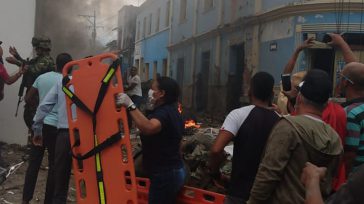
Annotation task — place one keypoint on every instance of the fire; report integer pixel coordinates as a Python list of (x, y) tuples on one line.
[(191, 124), (179, 107)]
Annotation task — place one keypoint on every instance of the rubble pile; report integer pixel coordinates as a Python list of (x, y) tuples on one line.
[(11, 189), (195, 150)]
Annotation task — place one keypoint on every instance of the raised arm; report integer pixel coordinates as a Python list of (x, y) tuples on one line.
[(338, 41), (292, 61)]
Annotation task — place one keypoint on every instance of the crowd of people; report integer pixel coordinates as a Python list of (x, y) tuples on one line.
[(305, 149), (307, 153)]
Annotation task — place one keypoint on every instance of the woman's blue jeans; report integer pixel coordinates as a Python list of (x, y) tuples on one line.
[(165, 186)]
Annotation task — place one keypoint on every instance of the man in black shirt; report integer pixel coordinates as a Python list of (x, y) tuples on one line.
[(249, 128)]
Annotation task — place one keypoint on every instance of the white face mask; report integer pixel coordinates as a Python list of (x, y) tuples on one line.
[(151, 100)]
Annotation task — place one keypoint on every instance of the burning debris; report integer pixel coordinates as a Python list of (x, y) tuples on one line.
[(190, 124)]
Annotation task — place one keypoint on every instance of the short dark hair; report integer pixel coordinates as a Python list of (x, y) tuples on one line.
[(261, 86), (171, 89), (61, 60)]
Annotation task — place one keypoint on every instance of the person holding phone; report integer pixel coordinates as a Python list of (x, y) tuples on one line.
[(333, 114)]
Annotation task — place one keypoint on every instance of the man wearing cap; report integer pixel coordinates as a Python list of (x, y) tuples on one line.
[(352, 87), (296, 140)]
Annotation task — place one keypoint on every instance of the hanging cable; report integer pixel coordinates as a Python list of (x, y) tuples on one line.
[(348, 16), (360, 30)]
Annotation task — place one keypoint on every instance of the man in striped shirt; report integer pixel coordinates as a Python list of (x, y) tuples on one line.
[(352, 86)]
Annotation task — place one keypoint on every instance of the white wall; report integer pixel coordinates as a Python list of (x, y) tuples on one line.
[(16, 29)]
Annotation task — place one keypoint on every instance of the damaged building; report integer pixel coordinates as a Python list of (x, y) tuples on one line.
[(212, 47)]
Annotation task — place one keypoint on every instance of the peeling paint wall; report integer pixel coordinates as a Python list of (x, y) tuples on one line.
[(235, 9), (182, 29), (207, 18), (272, 4)]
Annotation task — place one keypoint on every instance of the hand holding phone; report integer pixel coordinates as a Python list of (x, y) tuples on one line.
[(286, 82)]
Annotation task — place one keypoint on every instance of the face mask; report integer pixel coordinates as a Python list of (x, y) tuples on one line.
[(151, 100)]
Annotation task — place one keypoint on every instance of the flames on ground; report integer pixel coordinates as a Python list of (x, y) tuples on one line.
[(189, 122)]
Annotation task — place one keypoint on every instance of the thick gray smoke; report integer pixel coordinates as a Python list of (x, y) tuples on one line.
[(61, 22)]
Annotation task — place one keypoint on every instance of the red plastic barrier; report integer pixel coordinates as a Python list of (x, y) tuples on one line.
[(188, 195)]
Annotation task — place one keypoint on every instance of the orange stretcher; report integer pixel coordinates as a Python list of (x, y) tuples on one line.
[(102, 156), (99, 134)]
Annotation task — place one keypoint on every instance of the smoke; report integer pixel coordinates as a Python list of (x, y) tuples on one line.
[(70, 32)]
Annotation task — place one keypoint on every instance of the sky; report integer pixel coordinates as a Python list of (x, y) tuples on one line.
[(108, 18)]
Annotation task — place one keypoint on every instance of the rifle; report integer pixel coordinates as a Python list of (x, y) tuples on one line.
[(20, 95), (21, 88)]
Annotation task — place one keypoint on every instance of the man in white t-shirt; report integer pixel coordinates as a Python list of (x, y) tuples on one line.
[(248, 127), (134, 89)]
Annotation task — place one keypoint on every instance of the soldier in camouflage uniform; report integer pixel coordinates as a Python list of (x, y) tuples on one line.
[(40, 64)]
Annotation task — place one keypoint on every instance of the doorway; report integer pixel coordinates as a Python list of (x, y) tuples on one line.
[(202, 82), (323, 59), (235, 77), (180, 73)]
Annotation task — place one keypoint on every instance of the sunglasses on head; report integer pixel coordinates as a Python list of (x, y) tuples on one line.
[(347, 79)]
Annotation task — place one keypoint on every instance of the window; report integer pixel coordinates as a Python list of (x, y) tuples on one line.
[(165, 64), (183, 11), (208, 4), (168, 13), (138, 31), (155, 69), (146, 72), (150, 24), (158, 19)]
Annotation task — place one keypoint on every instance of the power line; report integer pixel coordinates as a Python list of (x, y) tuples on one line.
[(92, 20)]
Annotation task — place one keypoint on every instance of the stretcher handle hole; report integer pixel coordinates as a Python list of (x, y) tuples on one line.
[(208, 197), (128, 181), (117, 107), (74, 112), (142, 183), (124, 154), (83, 190)]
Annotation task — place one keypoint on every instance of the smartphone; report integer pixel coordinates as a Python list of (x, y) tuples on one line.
[(286, 82)]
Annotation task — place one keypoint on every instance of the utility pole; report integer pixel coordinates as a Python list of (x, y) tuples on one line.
[(92, 20)]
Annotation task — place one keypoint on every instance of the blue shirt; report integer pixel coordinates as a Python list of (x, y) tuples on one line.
[(43, 84), (55, 96)]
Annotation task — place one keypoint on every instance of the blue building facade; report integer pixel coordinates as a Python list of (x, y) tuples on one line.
[(152, 38), (207, 52), (213, 47)]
